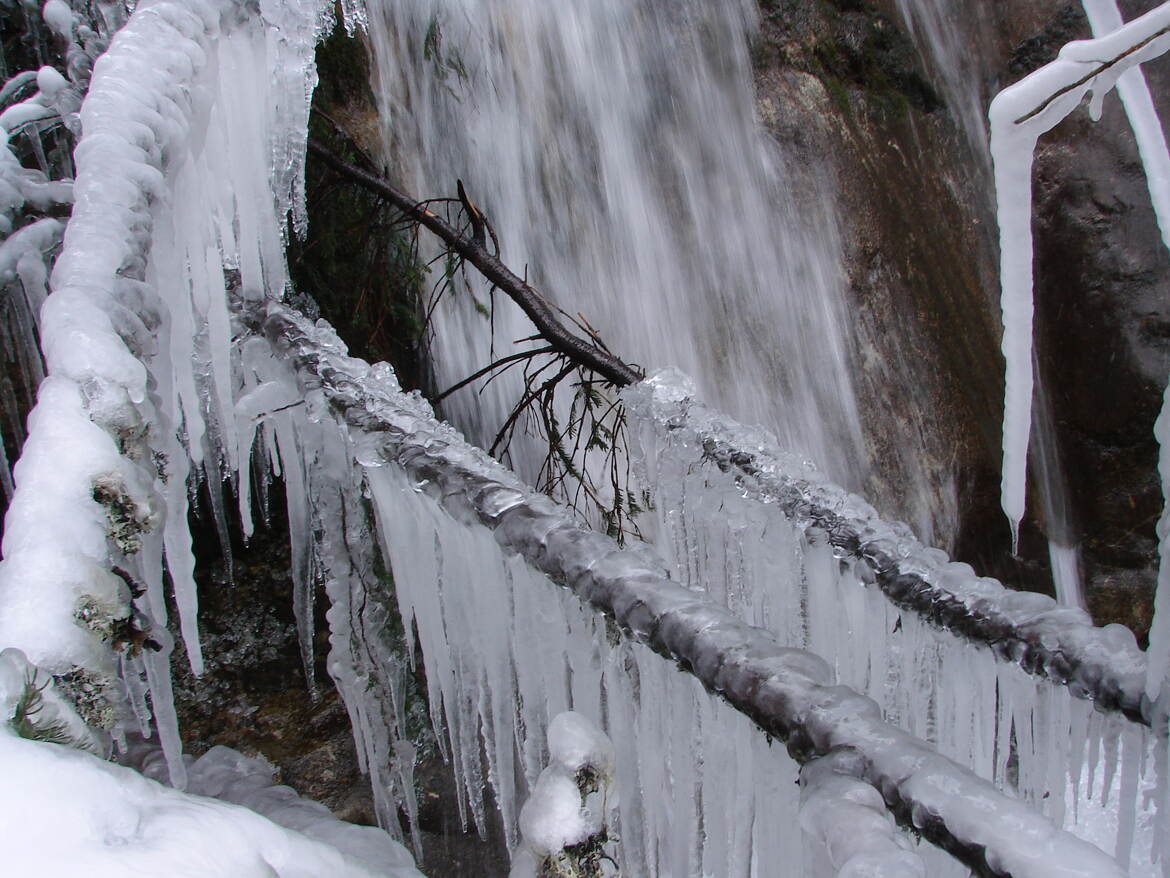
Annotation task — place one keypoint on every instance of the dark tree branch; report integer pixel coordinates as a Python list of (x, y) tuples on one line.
[(490, 367), (1097, 71), (552, 330)]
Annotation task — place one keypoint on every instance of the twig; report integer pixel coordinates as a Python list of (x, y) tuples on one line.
[(573, 347)]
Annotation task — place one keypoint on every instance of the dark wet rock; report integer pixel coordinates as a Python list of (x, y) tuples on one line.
[(916, 208)]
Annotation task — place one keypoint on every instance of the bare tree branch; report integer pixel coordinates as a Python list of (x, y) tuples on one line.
[(473, 250)]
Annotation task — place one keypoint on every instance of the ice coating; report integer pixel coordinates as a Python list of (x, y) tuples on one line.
[(178, 175), (1019, 115), (490, 623), (848, 818), (1105, 17), (947, 655), (1159, 652)]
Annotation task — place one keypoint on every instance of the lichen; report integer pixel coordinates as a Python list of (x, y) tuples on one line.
[(89, 692), (95, 616), (126, 519)]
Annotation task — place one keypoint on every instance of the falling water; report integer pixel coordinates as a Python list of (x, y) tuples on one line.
[(614, 147), (954, 44)]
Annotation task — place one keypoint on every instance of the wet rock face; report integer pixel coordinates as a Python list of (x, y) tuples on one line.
[(842, 79), (927, 367), (1103, 327)]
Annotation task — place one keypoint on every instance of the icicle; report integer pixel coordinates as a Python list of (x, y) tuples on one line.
[(1019, 115), (1159, 651)]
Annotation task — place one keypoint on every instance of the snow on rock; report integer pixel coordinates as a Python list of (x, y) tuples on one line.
[(75, 814), (575, 743), (225, 774), (571, 802)]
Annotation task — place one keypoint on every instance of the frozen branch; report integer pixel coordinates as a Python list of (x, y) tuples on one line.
[(788, 693)]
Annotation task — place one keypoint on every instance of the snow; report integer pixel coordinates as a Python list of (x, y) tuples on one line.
[(560, 813), (117, 820), (575, 743)]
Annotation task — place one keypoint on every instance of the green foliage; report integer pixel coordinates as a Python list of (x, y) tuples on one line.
[(443, 62), (28, 723)]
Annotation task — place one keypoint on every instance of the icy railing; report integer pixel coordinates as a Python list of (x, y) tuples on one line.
[(475, 556), (683, 439), (764, 534)]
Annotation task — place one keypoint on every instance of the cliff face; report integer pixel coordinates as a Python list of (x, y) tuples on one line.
[(845, 81)]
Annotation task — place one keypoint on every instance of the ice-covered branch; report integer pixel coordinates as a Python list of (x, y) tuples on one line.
[(1102, 664), (787, 692), (1020, 114), (136, 335)]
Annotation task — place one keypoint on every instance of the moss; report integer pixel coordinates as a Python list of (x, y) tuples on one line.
[(853, 49), (355, 263)]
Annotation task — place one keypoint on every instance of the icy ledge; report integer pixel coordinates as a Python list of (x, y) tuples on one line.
[(1103, 664), (786, 692)]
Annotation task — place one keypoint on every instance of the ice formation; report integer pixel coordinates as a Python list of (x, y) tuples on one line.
[(194, 127), (190, 163), (505, 649), (766, 536), (1019, 115)]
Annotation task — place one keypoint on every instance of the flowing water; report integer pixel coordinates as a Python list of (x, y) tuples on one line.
[(614, 147), (955, 45)]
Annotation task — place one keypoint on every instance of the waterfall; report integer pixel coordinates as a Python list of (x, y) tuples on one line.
[(695, 664), (954, 45), (613, 146)]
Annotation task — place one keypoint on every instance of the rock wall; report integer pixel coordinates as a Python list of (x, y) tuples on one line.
[(844, 79)]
